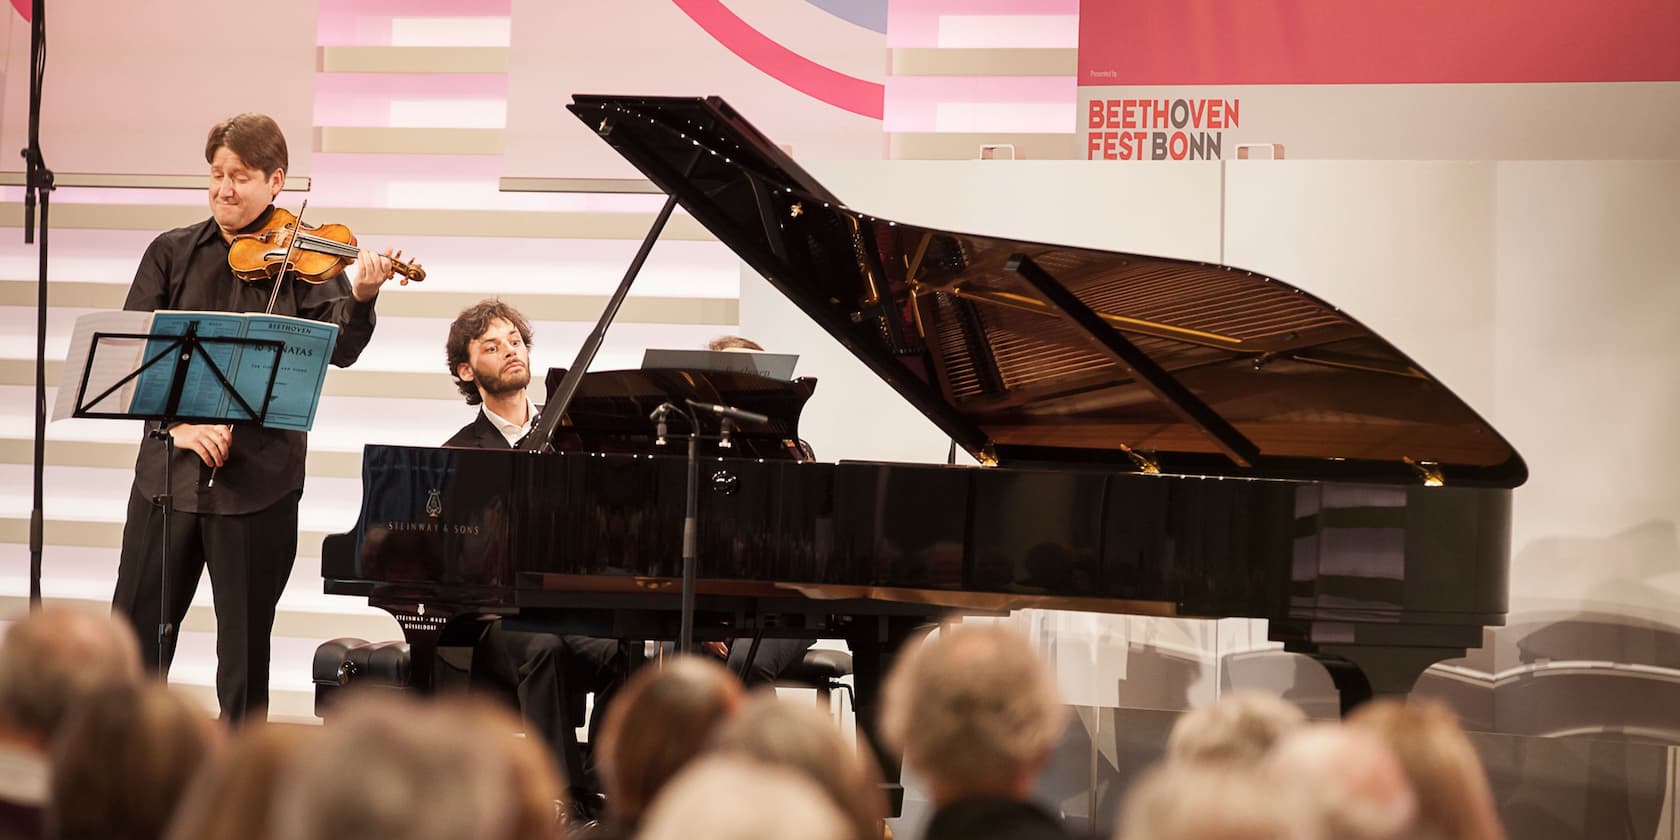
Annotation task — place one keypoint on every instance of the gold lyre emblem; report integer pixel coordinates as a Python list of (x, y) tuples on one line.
[(434, 503)]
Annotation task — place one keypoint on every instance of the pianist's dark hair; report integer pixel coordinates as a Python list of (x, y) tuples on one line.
[(470, 324)]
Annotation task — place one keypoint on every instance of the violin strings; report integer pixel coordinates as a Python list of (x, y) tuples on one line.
[(328, 245), (333, 247)]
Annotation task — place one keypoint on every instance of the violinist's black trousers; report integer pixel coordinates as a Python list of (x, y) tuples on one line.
[(249, 557)]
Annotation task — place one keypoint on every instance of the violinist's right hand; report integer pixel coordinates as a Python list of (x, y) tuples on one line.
[(210, 442)]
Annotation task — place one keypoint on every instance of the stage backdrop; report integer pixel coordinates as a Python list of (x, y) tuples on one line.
[(803, 72), (132, 91), (1417, 79)]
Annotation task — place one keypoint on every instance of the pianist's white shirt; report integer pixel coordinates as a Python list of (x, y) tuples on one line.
[(509, 429)]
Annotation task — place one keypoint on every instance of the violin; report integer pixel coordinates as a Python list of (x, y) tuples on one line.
[(320, 252)]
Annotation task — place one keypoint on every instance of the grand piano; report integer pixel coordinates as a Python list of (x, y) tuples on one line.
[(1155, 437)]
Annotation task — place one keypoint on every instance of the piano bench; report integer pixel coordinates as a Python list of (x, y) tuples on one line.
[(822, 670), (343, 662)]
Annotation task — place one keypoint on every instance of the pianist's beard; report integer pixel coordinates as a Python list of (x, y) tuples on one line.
[(503, 381)]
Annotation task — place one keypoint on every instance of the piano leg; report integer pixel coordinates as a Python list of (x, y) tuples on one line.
[(440, 644), (1364, 672), (875, 643)]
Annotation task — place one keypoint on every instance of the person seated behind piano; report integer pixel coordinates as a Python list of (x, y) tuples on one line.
[(488, 352), (775, 656)]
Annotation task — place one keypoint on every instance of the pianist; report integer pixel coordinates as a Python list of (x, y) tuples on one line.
[(488, 352)]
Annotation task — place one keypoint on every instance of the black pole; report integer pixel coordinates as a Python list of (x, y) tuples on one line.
[(38, 180), (166, 627)]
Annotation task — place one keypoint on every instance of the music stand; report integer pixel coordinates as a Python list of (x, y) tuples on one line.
[(181, 350)]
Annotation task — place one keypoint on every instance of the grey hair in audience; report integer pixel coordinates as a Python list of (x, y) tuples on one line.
[(1355, 785), (730, 798), (52, 657), (802, 738), (975, 710), (122, 760), (1207, 801), (1239, 729), (391, 768)]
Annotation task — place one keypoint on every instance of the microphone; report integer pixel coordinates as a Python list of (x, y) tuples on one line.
[(731, 412), (658, 418), (726, 426)]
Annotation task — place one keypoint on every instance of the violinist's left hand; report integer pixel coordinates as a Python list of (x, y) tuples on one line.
[(372, 270)]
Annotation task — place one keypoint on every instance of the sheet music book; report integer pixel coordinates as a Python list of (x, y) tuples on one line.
[(302, 369), (770, 365)]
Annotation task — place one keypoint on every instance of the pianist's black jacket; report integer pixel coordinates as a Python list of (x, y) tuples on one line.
[(479, 434)]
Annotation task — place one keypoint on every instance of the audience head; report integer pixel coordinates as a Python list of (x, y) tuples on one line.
[(53, 657), (732, 342), (1454, 802), (802, 738), (657, 723), (1353, 783), (1237, 730), (233, 795), (391, 768), (704, 802), (1206, 801), (975, 711), (538, 786), (485, 326), (122, 760)]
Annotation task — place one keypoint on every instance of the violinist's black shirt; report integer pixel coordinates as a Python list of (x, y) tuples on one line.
[(187, 268)]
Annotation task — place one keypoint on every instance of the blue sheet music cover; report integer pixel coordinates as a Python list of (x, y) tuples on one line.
[(302, 367)]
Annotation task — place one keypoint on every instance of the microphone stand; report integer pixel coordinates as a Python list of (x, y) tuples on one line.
[(690, 538), (691, 502), (38, 181), (691, 517)]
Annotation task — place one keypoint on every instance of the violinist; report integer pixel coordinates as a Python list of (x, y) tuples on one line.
[(243, 524)]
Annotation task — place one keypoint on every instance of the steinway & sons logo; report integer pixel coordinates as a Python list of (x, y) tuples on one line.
[(433, 523)]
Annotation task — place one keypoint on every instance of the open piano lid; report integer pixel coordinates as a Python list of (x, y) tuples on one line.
[(1030, 354)]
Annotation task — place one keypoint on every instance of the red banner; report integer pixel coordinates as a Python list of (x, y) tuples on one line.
[(1317, 42)]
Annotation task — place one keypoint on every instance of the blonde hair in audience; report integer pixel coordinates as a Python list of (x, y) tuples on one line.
[(1239, 729), (1206, 801), (1454, 800), (233, 794), (973, 709), (122, 760), (703, 802), (659, 721), (1350, 780), (805, 739)]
